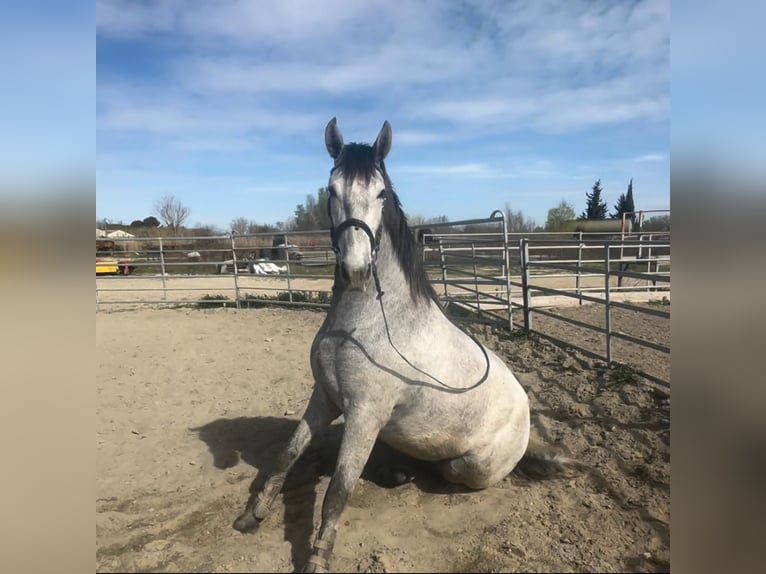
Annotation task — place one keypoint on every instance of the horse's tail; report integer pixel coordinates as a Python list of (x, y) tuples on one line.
[(541, 462)]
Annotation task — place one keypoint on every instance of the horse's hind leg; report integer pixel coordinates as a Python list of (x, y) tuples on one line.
[(320, 412), (359, 434), (470, 469), (483, 467)]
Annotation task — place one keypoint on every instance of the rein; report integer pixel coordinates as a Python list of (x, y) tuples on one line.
[(374, 246)]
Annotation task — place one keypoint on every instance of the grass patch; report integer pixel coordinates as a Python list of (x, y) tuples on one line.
[(622, 374), (214, 302), (249, 301)]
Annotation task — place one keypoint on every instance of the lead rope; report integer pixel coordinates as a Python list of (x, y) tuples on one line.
[(357, 223), (406, 360)]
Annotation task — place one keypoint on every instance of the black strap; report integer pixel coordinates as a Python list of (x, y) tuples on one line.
[(356, 224)]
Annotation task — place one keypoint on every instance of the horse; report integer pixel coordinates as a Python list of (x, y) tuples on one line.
[(391, 362)]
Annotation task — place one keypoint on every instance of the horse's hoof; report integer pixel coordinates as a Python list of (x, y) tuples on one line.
[(246, 522), (395, 475), (316, 564), (261, 510)]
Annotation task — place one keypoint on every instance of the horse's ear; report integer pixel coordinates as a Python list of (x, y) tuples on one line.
[(383, 143), (332, 139)]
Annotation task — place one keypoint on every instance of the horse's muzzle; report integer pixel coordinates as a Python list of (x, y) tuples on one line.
[(356, 278)]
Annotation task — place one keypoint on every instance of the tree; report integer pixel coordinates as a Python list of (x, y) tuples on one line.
[(596, 208), (151, 221), (625, 204), (313, 214), (557, 215), (415, 219), (136, 223), (172, 212), (517, 222), (254, 227), (657, 223), (239, 225)]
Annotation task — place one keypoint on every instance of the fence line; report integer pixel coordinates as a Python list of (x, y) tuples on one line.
[(529, 286), (481, 271)]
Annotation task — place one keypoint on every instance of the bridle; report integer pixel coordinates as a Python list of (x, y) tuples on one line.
[(335, 233)]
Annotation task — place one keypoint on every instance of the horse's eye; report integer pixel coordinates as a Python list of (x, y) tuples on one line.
[(382, 194), (332, 191)]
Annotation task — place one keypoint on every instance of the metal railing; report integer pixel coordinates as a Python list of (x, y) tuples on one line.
[(246, 269), (481, 272), (650, 251)]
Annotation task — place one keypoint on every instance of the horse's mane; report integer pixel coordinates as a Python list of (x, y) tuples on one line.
[(357, 161)]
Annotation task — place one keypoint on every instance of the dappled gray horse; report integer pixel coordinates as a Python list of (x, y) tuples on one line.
[(389, 360)]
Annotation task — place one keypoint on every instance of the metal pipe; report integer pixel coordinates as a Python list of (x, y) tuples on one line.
[(162, 271), (607, 323), (236, 272), (524, 249)]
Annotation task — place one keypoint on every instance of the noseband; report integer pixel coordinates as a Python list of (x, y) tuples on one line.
[(335, 233)]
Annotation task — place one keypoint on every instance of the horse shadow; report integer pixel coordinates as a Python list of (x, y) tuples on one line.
[(258, 441)]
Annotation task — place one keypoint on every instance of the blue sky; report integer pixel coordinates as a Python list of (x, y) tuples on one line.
[(224, 104)]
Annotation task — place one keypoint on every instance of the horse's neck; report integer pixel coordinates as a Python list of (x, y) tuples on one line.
[(393, 278), (395, 285)]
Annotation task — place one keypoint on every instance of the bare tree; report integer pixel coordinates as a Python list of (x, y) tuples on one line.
[(240, 225), (172, 212), (517, 222)]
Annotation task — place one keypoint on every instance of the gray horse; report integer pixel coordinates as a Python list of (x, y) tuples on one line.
[(389, 360)]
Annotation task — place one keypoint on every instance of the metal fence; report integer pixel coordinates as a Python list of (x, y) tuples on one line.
[(610, 263), (481, 272)]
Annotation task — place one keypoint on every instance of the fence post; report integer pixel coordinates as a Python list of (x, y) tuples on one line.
[(524, 253), (444, 269), (607, 299), (579, 265), (236, 272), (475, 279), (162, 271), (286, 252), (506, 266), (649, 261)]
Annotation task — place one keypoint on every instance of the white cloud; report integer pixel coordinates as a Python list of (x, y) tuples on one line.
[(650, 157), (241, 71), (464, 169)]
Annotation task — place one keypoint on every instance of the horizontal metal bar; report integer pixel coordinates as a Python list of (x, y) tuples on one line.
[(468, 289), (568, 320), (657, 276), (587, 352), (161, 289), (595, 271), (438, 281), (213, 302), (594, 242), (482, 278), (631, 260), (457, 223), (552, 291), (646, 310), (641, 342)]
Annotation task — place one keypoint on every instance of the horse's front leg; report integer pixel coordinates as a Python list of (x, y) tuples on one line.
[(359, 434), (320, 412)]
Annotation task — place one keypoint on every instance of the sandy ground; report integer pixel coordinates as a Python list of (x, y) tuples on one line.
[(192, 404)]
